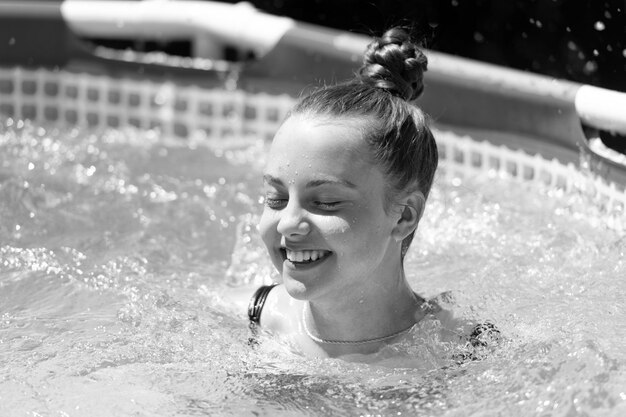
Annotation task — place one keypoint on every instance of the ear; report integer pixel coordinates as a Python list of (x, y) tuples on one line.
[(412, 208)]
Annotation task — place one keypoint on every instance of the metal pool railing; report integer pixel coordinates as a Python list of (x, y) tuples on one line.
[(182, 113)]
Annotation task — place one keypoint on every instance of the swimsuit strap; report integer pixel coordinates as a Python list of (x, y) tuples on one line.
[(257, 302)]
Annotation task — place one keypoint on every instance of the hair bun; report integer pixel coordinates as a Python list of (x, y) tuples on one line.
[(394, 63)]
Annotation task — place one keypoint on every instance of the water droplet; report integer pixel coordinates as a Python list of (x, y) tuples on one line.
[(539, 24), (12, 41), (590, 67), (599, 26), (567, 29), (607, 14), (624, 53), (479, 37), (595, 52), (455, 3), (572, 46), (31, 166)]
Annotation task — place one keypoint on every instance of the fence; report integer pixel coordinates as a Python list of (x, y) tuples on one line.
[(187, 112)]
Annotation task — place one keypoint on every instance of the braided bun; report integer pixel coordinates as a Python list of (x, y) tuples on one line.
[(395, 64)]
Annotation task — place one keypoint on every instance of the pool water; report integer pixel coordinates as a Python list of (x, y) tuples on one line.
[(117, 247)]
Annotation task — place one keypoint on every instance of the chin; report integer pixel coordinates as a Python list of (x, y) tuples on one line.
[(296, 289)]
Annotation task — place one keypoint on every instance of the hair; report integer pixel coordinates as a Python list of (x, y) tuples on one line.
[(397, 131)]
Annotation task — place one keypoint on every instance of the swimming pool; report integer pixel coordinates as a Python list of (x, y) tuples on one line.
[(119, 239)]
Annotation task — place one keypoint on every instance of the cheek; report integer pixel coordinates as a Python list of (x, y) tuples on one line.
[(270, 237), (335, 228), (267, 227), (368, 233)]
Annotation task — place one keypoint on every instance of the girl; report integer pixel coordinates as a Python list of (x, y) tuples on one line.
[(347, 179)]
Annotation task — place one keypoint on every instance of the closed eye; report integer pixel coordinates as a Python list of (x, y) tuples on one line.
[(327, 205), (276, 203)]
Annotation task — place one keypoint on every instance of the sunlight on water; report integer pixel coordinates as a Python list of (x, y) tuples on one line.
[(115, 249)]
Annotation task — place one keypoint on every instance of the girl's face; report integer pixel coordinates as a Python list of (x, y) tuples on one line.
[(324, 221)]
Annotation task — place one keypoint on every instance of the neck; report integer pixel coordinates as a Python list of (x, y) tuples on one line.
[(369, 313)]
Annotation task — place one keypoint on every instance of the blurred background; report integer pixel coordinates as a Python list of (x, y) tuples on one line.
[(579, 40)]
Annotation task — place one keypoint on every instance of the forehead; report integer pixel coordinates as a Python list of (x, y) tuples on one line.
[(302, 142)]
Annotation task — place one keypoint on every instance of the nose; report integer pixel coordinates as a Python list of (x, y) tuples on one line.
[(293, 221)]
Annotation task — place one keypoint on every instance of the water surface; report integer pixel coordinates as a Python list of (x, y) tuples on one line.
[(116, 248)]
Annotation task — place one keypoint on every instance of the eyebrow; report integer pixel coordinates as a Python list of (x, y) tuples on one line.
[(313, 183)]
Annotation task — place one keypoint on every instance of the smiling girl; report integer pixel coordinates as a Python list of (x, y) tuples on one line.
[(346, 183)]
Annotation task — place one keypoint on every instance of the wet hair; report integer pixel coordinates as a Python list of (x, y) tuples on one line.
[(396, 131)]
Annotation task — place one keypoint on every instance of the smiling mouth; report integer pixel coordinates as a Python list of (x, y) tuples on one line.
[(301, 257)]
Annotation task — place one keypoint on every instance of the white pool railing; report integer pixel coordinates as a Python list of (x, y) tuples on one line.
[(208, 23), (211, 23), (183, 114), (459, 91), (103, 101), (552, 109)]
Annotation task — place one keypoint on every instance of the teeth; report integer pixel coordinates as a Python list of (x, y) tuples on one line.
[(305, 255)]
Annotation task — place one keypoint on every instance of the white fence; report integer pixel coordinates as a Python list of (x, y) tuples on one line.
[(184, 112), (103, 101)]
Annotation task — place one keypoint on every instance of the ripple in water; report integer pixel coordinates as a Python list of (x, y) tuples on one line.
[(116, 248)]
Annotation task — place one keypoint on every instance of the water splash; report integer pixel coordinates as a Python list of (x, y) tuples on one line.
[(112, 293)]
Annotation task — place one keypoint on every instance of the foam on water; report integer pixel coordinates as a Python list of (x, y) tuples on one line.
[(116, 248)]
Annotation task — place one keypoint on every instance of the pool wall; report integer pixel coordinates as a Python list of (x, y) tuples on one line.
[(522, 111), (539, 114)]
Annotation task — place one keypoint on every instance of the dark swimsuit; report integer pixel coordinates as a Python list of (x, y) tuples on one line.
[(257, 302)]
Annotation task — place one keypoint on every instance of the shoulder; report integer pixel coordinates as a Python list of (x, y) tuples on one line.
[(279, 311)]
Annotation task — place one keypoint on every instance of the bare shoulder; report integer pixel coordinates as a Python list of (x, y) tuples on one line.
[(280, 313)]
